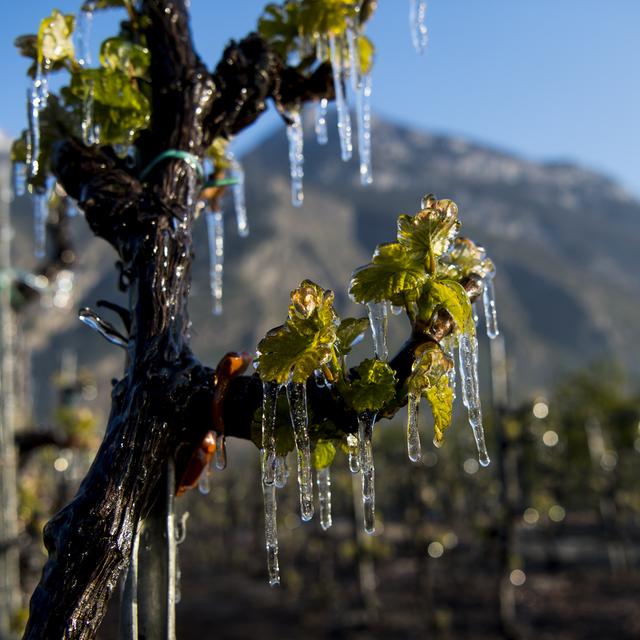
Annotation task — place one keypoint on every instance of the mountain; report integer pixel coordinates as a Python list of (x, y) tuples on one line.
[(564, 240)]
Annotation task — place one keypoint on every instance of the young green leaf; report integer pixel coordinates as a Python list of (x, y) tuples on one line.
[(349, 332), (431, 230), (374, 385), (323, 454), (450, 296), (55, 38), (393, 274), (118, 54), (440, 397), (305, 342), (465, 258)]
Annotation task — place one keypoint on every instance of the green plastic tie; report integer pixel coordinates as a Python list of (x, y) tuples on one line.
[(221, 182), (192, 160)]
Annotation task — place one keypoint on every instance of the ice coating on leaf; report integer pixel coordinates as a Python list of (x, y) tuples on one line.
[(271, 532), (295, 137), (204, 481), (268, 450), (323, 480), (468, 356), (353, 448), (322, 135), (417, 24), (281, 472), (413, 435), (40, 214), (239, 201), (215, 235), (38, 97), (366, 422), (342, 108), (297, 396), (489, 304), (379, 320), (465, 258), (19, 179), (295, 350), (84, 24), (220, 455)]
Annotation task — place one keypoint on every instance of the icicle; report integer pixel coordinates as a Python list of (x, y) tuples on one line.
[(322, 135), (396, 310), (449, 344), (221, 452), (417, 21), (363, 109), (38, 101), (353, 447), (344, 118), (40, 214), (19, 179), (474, 310), (268, 450), (90, 131), (297, 396), (489, 303), (295, 137), (362, 89), (204, 482), (239, 201), (83, 35), (323, 481), (106, 330), (413, 435), (215, 233), (378, 319), (281, 472), (365, 435), (468, 356), (271, 532)]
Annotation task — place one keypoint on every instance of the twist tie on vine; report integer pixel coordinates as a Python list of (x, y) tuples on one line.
[(192, 160), (221, 182)]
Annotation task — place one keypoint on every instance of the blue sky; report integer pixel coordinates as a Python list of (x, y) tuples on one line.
[(547, 79)]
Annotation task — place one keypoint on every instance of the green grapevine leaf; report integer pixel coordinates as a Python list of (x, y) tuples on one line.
[(392, 274), (323, 454), (55, 38), (430, 364), (465, 258), (118, 54), (430, 231), (440, 398), (349, 332), (448, 295), (373, 386), (305, 342)]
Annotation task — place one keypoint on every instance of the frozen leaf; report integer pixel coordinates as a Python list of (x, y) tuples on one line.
[(349, 332), (440, 398), (392, 274), (374, 385), (305, 342), (54, 38), (118, 54), (430, 364), (465, 258), (323, 454), (430, 231), (450, 296)]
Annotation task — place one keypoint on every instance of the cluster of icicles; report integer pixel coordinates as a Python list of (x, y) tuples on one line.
[(345, 66), (274, 467)]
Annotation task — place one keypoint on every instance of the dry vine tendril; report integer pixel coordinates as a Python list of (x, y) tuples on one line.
[(424, 274)]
